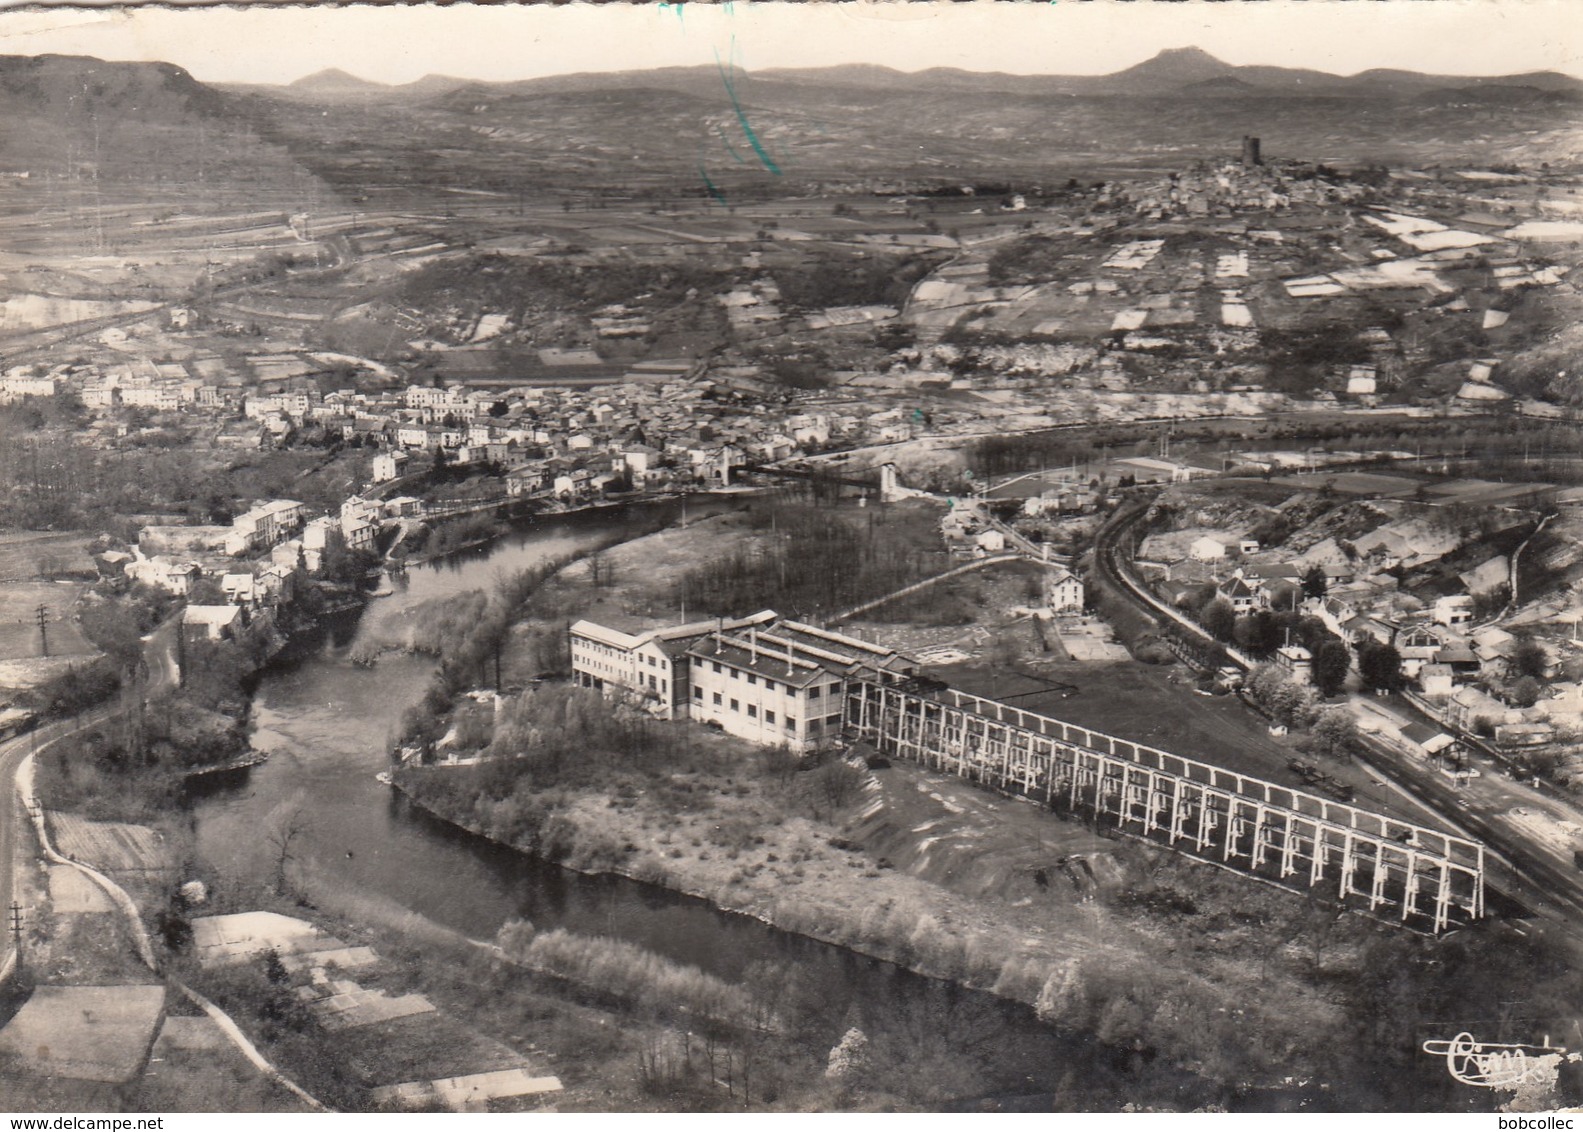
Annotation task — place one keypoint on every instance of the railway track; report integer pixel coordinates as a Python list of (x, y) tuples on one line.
[(1528, 879)]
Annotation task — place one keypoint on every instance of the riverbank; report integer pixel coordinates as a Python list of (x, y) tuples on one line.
[(987, 893), (481, 526), (1150, 964), (1133, 946)]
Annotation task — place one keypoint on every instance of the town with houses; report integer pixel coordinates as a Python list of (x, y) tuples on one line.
[(982, 625)]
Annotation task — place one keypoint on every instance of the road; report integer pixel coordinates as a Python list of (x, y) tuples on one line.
[(12, 752)]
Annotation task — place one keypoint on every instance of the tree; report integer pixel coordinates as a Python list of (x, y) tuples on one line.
[(837, 783), (1287, 702), (849, 1060), (1331, 663), (1530, 659), (1524, 692), (1259, 632), (1314, 583), (286, 828), (1380, 665), (1219, 620), (1335, 735)]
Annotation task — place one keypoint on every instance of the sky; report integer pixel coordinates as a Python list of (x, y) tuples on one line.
[(269, 44)]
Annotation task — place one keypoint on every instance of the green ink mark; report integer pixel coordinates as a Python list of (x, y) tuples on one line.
[(731, 149), (742, 118), (710, 185)]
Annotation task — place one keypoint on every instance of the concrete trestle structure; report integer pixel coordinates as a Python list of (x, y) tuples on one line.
[(1427, 878)]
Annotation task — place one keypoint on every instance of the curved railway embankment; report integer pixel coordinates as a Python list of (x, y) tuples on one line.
[(1526, 878)]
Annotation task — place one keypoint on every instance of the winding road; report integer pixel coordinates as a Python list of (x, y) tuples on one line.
[(12, 817)]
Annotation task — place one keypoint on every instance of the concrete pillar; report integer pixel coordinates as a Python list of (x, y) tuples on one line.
[(1288, 846), (1261, 816), (1349, 864), (1377, 886), (1443, 898)]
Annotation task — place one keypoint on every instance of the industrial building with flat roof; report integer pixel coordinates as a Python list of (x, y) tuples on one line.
[(762, 678)]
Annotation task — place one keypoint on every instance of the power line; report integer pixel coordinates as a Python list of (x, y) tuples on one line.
[(41, 614)]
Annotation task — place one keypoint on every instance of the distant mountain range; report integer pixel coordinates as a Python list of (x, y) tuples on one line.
[(154, 121), (334, 84), (1176, 70)]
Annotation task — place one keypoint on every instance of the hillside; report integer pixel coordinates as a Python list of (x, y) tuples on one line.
[(78, 119)]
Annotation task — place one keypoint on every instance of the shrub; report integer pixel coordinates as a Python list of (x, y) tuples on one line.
[(628, 972)]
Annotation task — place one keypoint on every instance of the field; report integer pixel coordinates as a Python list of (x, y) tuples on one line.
[(40, 555), (1356, 483), (19, 636)]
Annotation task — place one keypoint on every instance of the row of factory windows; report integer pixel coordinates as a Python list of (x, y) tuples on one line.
[(753, 712), (752, 678)]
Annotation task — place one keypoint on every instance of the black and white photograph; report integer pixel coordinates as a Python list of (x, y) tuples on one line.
[(822, 558)]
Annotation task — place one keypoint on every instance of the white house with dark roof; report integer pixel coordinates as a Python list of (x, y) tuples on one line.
[(1417, 645), (1236, 591), (1064, 592)]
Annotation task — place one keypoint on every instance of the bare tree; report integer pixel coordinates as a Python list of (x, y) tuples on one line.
[(286, 828)]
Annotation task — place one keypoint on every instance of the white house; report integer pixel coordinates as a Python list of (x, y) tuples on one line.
[(1208, 548), (239, 588), (1436, 680), (1453, 609), (1296, 660), (650, 667), (211, 622), (388, 466), (1065, 592)]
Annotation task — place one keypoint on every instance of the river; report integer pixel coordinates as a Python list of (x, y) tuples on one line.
[(365, 853)]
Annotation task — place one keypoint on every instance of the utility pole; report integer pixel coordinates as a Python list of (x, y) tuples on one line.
[(16, 930), (41, 614)]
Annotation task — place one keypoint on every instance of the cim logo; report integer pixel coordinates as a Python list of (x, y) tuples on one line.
[(1494, 1065)]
